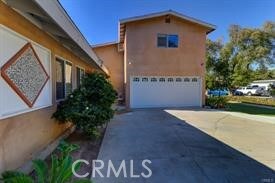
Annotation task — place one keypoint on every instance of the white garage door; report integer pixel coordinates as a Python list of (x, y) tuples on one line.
[(146, 92)]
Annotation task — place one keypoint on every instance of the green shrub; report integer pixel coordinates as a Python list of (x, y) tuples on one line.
[(88, 107), (272, 92), (216, 102), (253, 100), (59, 171)]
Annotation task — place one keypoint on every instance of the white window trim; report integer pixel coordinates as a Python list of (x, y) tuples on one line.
[(5, 116), (65, 61)]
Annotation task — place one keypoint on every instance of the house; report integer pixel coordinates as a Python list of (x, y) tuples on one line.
[(158, 60), (42, 59)]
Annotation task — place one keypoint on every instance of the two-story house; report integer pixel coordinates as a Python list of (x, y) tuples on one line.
[(159, 60)]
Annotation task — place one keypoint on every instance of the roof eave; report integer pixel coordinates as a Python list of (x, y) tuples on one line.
[(51, 17), (211, 27)]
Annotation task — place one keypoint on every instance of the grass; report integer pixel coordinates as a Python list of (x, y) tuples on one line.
[(238, 107), (253, 100)]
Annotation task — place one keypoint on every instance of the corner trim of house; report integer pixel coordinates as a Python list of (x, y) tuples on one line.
[(44, 153)]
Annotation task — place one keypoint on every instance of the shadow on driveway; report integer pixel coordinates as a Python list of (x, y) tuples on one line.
[(178, 151)]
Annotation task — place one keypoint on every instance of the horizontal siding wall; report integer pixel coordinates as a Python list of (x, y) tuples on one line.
[(24, 135)]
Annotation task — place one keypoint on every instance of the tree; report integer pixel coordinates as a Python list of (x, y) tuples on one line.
[(247, 56), (217, 65), (89, 106)]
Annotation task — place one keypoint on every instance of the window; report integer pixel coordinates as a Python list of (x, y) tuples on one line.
[(80, 73), (167, 41), (186, 79), (194, 79), (144, 79), (161, 79), (63, 79), (173, 41), (153, 79), (60, 79), (170, 80), (162, 40), (68, 78), (178, 80), (136, 79)]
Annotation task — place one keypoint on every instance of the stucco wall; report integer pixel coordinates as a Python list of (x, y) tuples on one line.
[(113, 60), (24, 135), (143, 57)]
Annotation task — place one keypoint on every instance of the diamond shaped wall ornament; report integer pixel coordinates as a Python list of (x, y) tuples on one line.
[(25, 74)]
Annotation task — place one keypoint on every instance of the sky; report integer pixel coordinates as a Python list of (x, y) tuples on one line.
[(98, 19)]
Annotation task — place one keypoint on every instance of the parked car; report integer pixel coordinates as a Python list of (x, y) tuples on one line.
[(250, 90), (235, 92), (264, 92), (218, 92)]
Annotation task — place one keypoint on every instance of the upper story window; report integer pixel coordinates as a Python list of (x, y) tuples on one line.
[(167, 41)]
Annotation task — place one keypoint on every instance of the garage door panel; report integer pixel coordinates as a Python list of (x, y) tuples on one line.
[(145, 93)]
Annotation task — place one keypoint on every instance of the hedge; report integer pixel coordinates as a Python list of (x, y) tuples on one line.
[(216, 102), (253, 100)]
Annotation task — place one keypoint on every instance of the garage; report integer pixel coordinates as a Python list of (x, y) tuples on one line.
[(165, 91)]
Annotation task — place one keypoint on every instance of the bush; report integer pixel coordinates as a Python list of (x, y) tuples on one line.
[(88, 107), (59, 171), (272, 92), (253, 100), (216, 102)]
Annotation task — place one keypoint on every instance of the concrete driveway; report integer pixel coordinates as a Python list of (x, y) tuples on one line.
[(188, 146)]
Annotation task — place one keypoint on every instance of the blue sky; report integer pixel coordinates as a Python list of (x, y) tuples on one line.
[(98, 19)]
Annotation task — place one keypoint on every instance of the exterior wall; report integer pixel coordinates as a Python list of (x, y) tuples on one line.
[(143, 57), (24, 135), (113, 60)]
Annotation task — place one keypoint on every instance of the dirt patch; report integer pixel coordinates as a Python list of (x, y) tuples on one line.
[(89, 149)]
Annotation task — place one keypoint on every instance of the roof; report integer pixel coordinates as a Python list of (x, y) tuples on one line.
[(51, 17), (122, 22), (104, 44)]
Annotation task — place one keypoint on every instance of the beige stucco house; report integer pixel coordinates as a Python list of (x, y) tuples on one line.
[(48, 54), (159, 60)]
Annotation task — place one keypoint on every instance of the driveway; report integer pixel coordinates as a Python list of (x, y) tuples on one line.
[(188, 146)]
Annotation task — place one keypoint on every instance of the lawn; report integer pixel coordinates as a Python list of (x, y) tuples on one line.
[(238, 107)]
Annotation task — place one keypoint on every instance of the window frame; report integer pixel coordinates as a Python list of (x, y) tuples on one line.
[(145, 79), (170, 35), (158, 35), (84, 73), (136, 79), (162, 79), (65, 61), (69, 63), (167, 40)]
